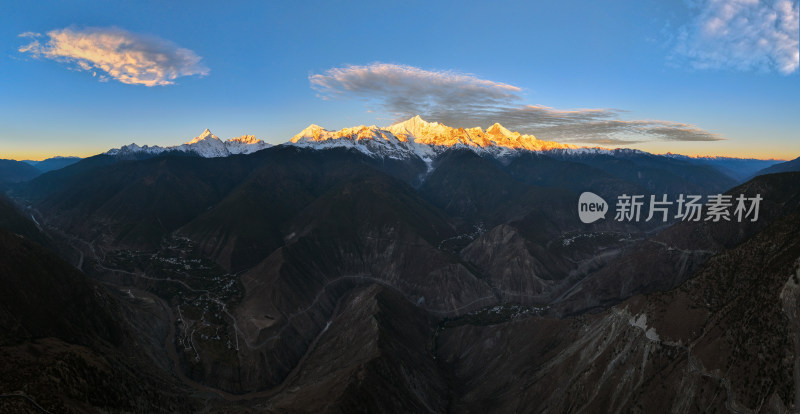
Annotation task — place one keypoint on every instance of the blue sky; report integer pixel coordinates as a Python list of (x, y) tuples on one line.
[(702, 77)]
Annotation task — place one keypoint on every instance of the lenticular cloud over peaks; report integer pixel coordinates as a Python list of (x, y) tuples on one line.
[(116, 54)]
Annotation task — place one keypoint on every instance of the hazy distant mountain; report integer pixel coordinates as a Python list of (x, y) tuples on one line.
[(740, 169), (12, 171), (54, 163), (793, 165), (206, 145)]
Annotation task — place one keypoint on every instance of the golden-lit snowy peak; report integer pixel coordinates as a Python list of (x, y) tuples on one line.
[(422, 138), (246, 140), (202, 137), (316, 133), (418, 130)]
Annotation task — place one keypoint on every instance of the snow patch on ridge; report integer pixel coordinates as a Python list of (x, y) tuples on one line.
[(641, 323), (206, 145)]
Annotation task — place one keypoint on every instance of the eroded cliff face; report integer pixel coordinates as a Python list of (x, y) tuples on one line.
[(725, 340)]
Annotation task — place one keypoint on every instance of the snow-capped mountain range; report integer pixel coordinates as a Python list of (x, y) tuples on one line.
[(206, 145), (416, 137)]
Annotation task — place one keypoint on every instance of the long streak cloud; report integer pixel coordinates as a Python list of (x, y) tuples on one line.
[(459, 99)]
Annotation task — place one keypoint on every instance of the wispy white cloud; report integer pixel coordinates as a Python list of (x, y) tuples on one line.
[(124, 56), (459, 99), (399, 83), (741, 34)]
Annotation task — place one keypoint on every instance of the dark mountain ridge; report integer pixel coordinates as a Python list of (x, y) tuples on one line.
[(54, 163)]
